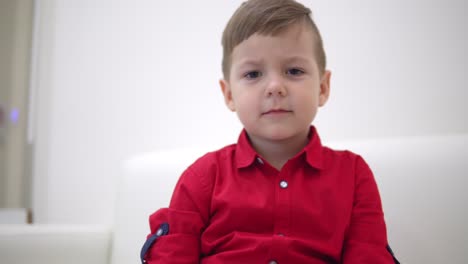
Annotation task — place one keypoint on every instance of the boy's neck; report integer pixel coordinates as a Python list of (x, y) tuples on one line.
[(278, 152)]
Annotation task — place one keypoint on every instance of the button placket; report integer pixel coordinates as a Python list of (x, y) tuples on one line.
[(282, 213)]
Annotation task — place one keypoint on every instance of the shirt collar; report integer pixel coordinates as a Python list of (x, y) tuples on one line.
[(246, 155), (314, 149)]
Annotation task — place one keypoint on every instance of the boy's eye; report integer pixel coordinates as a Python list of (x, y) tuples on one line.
[(253, 74), (294, 71)]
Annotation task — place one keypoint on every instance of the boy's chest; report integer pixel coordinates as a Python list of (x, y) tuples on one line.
[(301, 202)]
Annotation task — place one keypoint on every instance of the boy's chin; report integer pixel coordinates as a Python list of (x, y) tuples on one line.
[(280, 134)]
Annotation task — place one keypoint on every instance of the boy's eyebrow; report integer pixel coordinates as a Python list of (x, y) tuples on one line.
[(299, 59), (250, 61), (256, 62)]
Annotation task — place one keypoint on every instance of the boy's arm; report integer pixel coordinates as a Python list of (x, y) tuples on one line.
[(366, 237), (186, 218)]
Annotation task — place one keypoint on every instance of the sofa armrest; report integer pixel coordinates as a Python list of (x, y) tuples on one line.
[(54, 244)]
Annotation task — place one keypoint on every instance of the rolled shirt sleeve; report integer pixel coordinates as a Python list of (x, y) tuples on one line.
[(187, 217)]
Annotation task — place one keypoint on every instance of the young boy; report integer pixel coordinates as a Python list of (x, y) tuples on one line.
[(278, 195)]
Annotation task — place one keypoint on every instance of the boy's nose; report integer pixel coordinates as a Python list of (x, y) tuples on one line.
[(275, 86)]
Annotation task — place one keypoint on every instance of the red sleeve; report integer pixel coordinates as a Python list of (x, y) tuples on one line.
[(366, 237), (187, 217)]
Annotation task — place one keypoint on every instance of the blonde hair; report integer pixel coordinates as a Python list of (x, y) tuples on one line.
[(267, 17)]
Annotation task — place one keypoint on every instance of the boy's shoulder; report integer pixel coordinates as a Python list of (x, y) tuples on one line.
[(214, 158), (338, 152), (335, 156)]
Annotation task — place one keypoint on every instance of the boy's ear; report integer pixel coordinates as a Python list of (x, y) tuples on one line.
[(227, 93), (324, 88)]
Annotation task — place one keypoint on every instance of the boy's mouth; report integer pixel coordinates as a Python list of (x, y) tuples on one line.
[(276, 111)]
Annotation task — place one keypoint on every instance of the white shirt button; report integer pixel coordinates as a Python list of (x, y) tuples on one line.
[(159, 232), (284, 184), (272, 262)]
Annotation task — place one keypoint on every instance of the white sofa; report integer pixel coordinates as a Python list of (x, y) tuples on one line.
[(422, 181)]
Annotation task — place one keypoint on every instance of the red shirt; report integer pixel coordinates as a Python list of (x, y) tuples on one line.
[(231, 206)]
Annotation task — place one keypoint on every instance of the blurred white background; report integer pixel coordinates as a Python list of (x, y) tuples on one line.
[(113, 78)]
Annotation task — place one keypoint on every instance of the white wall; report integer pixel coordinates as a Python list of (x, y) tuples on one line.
[(115, 78)]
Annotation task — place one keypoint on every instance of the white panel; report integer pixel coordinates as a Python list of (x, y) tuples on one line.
[(125, 77)]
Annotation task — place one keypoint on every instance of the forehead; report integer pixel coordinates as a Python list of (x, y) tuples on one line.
[(295, 41)]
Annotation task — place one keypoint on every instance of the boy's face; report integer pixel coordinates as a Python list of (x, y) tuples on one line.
[(275, 85)]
